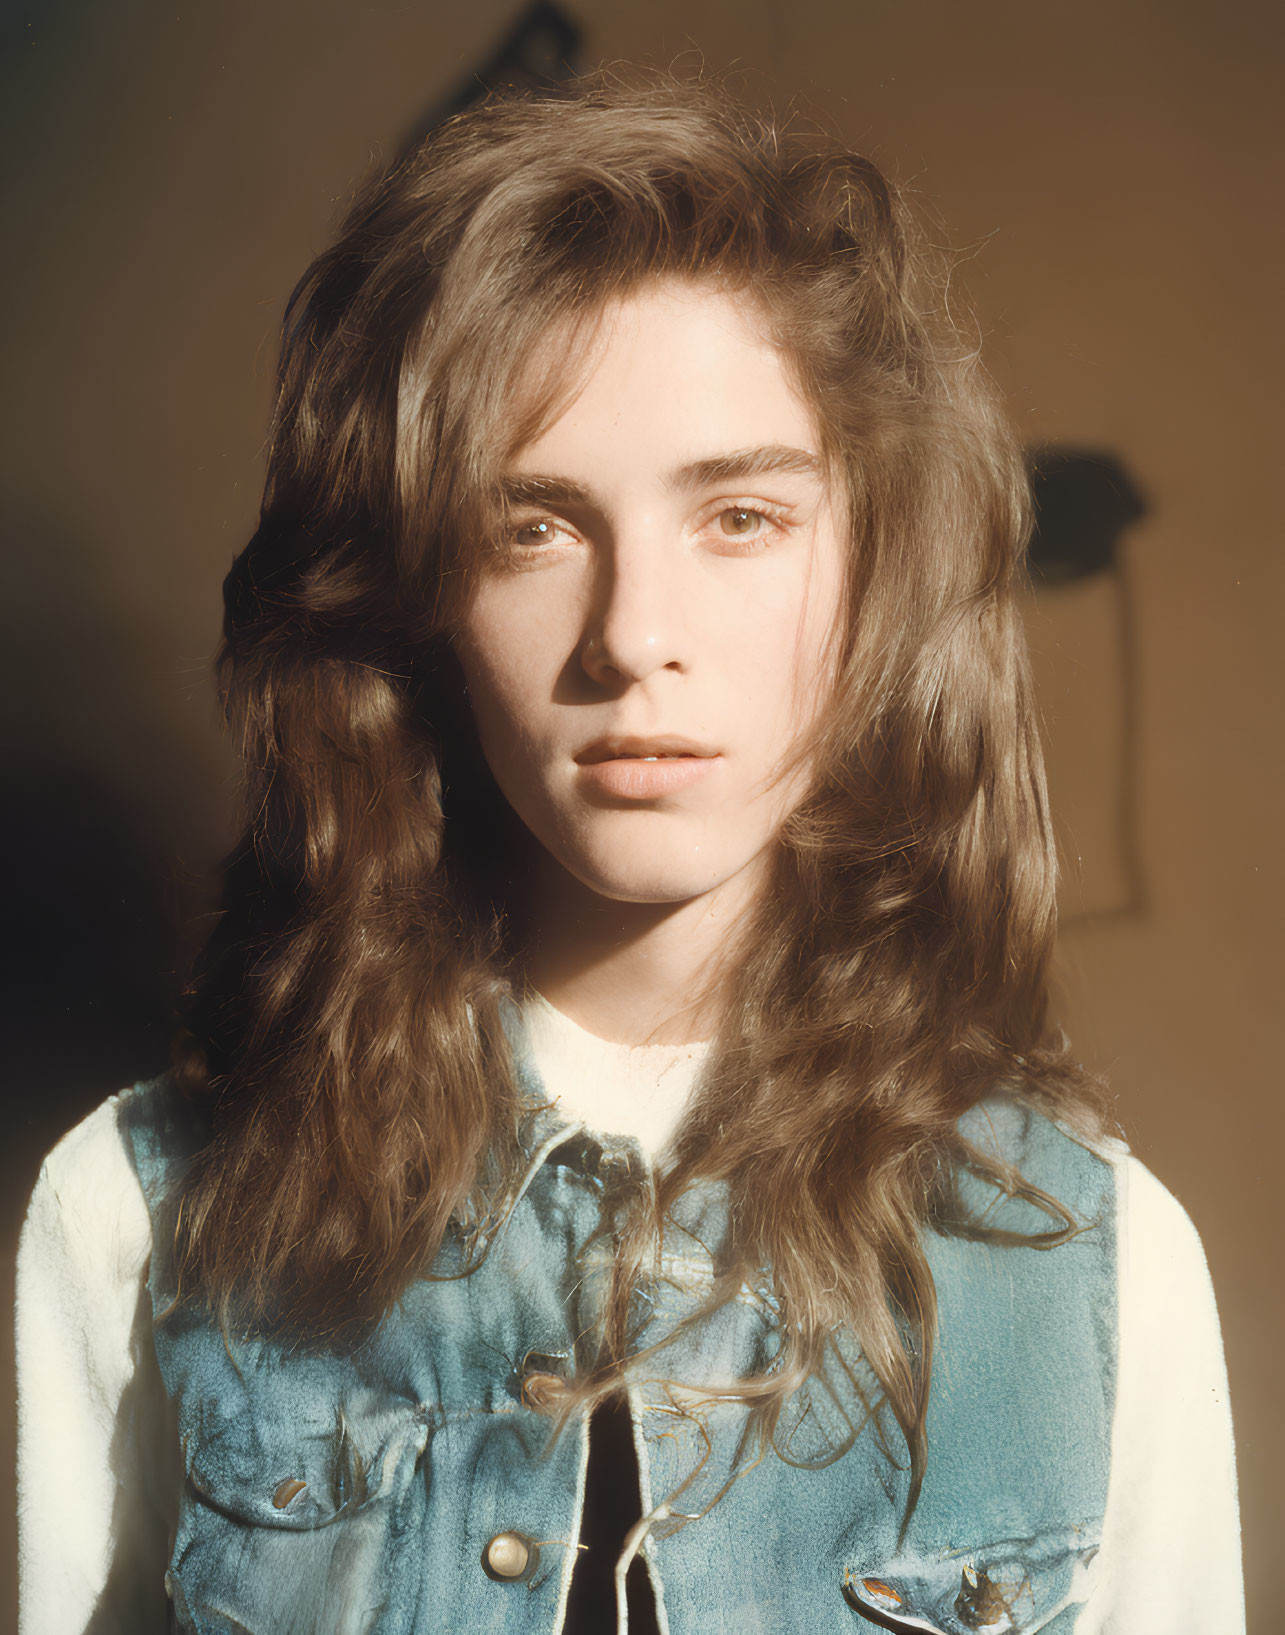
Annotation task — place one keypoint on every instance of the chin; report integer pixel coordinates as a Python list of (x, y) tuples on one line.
[(638, 879)]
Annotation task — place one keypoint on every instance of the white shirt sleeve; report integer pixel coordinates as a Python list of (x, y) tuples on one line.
[(1170, 1556), (97, 1451)]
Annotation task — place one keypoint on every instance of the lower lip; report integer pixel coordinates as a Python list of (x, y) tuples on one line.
[(636, 779)]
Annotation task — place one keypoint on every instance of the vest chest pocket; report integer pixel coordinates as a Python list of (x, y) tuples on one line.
[(284, 1528), (1013, 1587), (295, 1478)]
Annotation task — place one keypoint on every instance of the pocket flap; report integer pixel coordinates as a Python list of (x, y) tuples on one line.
[(1013, 1587), (309, 1478)]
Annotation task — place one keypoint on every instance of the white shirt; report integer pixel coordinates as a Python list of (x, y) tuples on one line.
[(97, 1454)]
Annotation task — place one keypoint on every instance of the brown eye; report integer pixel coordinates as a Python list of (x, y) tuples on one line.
[(532, 533), (741, 523)]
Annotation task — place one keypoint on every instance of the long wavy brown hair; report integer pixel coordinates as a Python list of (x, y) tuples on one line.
[(344, 1038)]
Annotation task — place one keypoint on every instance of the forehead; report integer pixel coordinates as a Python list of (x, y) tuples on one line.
[(672, 375)]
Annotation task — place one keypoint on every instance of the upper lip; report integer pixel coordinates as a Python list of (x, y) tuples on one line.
[(636, 749)]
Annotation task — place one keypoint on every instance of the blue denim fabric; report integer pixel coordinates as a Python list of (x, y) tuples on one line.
[(358, 1492)]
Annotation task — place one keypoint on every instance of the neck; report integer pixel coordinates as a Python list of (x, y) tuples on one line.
[(636, 973)]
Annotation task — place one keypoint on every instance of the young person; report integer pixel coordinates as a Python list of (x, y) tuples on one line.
[(618, 1163)]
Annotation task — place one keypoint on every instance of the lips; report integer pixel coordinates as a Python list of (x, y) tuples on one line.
[(642, 749), (643, 769)]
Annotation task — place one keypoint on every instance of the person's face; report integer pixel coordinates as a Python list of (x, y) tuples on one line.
[(659, 638)]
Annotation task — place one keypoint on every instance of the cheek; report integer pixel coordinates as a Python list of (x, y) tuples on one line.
[(788, 657), (516, 636), (816, 662), (791, 681), (499, 666), (511, 681), (822, 622), (494, 685)]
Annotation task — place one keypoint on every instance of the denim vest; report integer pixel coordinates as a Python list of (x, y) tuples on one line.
[(415, 1484)]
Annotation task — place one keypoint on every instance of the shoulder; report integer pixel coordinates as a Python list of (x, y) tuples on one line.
[(1172, 1498), (1126, 1219), (1165, 1286), (88, 1202), (1157, 1229), (1037, 1154), (1156, 1237), (95, 1447)]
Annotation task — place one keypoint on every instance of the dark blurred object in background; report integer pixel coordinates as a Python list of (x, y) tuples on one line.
[(543, 48), (1084, 500), (88, 971)]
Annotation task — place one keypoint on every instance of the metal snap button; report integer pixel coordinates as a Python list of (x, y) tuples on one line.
[(540, 1381), (883, 1595), (543, 1391), (289, 1489), (509, 1557), (882, 1603)]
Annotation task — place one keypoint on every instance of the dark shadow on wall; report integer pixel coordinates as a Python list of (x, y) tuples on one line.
[(103, 833), (105, 808), (543, 48), (1086, 501), (89, 968)]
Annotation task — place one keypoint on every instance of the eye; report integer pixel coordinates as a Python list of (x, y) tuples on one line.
[(740, 522), (534, 535)]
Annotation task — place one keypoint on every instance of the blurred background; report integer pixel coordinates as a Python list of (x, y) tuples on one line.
[(1110, 171)]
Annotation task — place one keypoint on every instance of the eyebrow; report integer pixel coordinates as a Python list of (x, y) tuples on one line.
[(719, 468), (746, 462)]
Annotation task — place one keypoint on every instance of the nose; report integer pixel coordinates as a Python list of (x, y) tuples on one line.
[(640, 620)]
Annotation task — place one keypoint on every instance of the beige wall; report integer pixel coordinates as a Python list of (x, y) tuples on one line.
[(1113, 170)]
